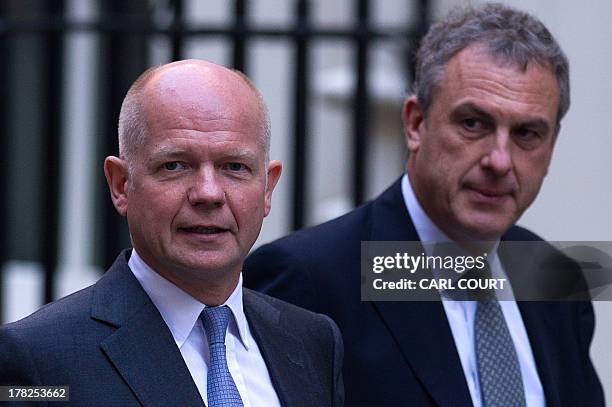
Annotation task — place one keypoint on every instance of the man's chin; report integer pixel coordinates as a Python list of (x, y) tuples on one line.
[(485, 225), (209, 266), (485, 234), (485, 229)]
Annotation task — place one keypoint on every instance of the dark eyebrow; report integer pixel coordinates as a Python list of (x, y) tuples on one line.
[(166, 153), (469, 108), (172, 153), (240, 155), (539, 124)]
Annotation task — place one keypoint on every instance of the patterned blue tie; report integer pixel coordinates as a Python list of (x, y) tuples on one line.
[(499, 371), (222, 391)]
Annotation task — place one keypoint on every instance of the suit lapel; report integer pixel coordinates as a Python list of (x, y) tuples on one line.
[(540, 324), (282, 352), (420, 329), (423, 335), (523, 267), (142, 348)]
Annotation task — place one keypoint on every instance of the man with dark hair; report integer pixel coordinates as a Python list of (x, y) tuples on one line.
[(169, 323), (491, 88)]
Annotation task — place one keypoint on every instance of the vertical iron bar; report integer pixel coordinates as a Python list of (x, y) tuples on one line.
[(423, 10), (240, 21), (4, 167), (300, 114), (177, 33), (125, 56), (111, 224), (53, 57), (422, 24), (361, 102)]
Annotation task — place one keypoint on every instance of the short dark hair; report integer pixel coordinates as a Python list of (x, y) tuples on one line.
[(511, 35)]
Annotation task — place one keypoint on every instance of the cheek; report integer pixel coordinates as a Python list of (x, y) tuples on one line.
[(247, 205), (530, 172), (157, 207), (444, 152), (530, 185), (447, 170)]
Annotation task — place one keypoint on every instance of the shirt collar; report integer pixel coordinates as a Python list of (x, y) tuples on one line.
[(425, 228), (180, 310)]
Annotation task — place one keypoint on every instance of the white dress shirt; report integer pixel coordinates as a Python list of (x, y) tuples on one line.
[(461, 314), (181, 312)]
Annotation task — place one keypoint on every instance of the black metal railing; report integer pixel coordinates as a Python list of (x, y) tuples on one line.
[(50, 207), (124, 28)]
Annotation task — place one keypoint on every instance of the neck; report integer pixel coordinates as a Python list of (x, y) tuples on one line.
[(211, 292)]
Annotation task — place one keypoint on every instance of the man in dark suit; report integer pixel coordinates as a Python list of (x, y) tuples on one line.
[(492, 86), (169, 323)]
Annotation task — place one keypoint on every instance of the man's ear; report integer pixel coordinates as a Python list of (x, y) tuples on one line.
[(413, 118), (116, 172), (274, 171)]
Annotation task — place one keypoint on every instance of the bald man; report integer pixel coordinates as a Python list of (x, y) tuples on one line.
[(169, 323)]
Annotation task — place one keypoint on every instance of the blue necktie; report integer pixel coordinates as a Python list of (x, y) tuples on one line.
[(222, 391), (499, 371)]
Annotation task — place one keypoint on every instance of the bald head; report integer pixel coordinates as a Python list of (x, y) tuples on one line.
[(185, 91)]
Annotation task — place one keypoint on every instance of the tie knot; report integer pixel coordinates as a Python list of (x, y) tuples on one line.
[(482, 275), (215, 320)]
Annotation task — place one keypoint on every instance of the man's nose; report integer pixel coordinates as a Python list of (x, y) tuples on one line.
[(498, 157), (206, 189)]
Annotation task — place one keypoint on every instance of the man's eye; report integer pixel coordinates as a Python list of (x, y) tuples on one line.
[(235, 167), (172, 166), (473, 124), (525, 134), (527, 138)]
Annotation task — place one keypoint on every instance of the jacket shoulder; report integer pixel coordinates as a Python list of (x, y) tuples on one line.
[(293, 266), (518, 233), (51, 332), (324, 240), (55, 316), (298, 317)]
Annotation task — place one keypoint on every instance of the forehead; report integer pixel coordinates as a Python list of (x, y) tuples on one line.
[(203, 105), (473, 75)]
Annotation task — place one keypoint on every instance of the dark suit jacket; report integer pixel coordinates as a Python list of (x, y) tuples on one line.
[(109, 343), (403, 353)]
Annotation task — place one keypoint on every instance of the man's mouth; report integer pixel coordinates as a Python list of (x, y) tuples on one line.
[(489, 195), (204, 230)]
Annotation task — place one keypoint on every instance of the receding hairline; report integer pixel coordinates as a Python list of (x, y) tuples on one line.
[(131, 114), (147, 76)]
